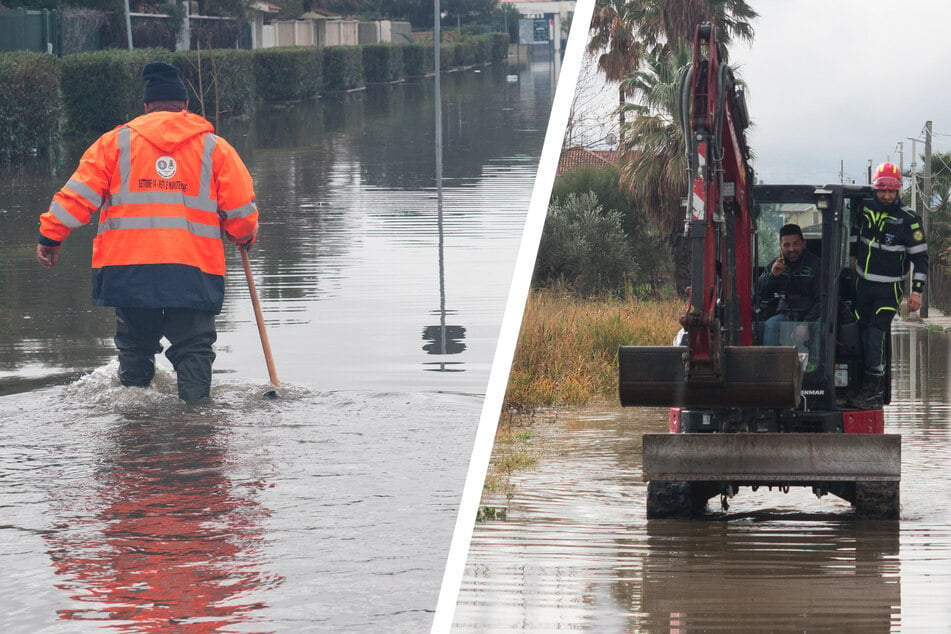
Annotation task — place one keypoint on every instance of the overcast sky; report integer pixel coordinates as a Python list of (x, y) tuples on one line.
[(844, 80), (837, 81)]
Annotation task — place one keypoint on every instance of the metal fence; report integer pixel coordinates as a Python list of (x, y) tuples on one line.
[(25, 30), (80, 30), (939, 286)]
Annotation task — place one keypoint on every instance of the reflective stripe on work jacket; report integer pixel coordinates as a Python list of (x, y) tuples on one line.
[(166, 190), (885, 243), (149, 225)]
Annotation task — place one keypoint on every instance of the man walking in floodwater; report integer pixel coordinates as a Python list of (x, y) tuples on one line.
[(167, 190)]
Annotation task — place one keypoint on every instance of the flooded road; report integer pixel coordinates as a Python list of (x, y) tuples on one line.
[(576, 551), (332, 507)]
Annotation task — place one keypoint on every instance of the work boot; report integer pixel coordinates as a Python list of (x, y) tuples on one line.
[(136, 370), (871, 396)]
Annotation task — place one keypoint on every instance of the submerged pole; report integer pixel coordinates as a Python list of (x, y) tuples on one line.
[(437, 37)]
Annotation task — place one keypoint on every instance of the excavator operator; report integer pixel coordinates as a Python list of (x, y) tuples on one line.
[(792, 279), (886, 237)]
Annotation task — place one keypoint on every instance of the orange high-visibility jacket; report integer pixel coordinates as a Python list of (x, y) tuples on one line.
[(167, 189)]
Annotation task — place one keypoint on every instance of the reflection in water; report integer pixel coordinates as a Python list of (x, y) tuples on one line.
[(577, 551), (170, 542), (776, 575), (443, 339)]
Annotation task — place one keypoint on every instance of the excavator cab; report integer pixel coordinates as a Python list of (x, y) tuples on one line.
[(829, 348), (802, 384)]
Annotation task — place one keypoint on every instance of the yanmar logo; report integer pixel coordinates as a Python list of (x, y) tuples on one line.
[(813, 392)]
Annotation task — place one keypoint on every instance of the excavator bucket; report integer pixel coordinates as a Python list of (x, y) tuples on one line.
[(763, 458), (753, 376)]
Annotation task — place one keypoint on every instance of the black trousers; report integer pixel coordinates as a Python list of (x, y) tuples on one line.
[(191, 334), (876, 304)]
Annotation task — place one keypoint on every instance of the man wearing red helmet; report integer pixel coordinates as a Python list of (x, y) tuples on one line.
[(886, 238)]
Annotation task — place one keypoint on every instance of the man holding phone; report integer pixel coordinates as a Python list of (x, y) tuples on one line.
[(793, 280)]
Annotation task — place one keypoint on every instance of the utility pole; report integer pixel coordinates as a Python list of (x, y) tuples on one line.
[(901, 158), (926, 202), (437, 41), (914, 174), (128, 25)]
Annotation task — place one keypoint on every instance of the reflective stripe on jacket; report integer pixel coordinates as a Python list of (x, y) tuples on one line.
[(166, 188), (884, 240)]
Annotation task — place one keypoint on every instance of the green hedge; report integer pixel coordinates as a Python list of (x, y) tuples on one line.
[(382, 63), (343, 67), (30, 108), (465, 54), (91, 93), (220, 81), (288, 73), (418, 59), (103, 89), (500, 46)]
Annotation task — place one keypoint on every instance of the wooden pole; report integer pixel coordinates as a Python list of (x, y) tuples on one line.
[(259, 318)]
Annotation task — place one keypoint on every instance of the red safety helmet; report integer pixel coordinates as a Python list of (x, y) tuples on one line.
[(887, 177)]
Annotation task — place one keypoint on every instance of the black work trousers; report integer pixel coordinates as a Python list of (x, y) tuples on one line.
[(191, 334), (876, 304)]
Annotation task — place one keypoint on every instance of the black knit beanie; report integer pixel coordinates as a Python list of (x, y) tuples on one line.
[(162, 83)]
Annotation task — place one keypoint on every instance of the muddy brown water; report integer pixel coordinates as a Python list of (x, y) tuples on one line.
[(576, 552)]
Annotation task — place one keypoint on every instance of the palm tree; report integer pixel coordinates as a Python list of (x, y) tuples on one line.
[(612, 39), (675, 21), (652, 158), (653, 162), (621, 30)]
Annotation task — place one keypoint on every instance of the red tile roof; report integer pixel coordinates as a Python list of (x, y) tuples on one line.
[(576, 157)]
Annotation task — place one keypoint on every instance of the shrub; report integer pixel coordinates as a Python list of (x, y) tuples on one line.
[(603, 183), (285, 74), (482, 47), (464, 53), (343, 67), (156, 32), (28, 123), (103, 89), (220, 81), (584, 247), (382, 63), (649, 249), (500, 46), (417, 59), (99, 90), (447, 55)]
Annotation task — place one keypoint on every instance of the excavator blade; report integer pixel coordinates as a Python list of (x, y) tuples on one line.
[(754, 376), (765, 458)]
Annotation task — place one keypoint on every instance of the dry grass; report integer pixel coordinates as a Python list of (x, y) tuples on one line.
[(513, 451), (567, 355), (567, 347)]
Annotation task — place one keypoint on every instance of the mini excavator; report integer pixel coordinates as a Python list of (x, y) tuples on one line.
[(744, 414)]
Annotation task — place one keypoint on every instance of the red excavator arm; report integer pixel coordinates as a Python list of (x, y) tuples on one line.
[(720, 367), (719, 227)]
